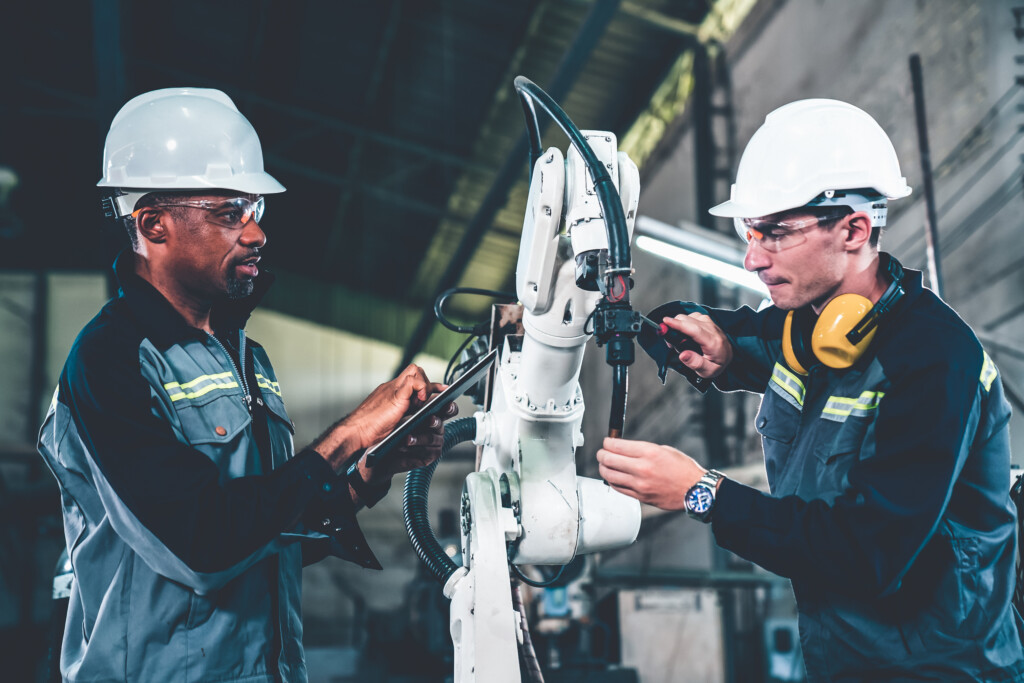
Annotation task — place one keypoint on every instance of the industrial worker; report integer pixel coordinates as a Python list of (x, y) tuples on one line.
[(187, 515), (883, 422)]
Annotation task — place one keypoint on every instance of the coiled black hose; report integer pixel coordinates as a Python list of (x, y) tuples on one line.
[(417, 519)]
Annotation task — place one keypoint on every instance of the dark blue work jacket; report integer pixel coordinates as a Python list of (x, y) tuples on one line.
[(186, 513), (889, 506)]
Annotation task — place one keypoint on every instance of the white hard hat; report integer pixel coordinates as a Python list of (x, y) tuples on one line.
[(810, 147), (184, 139)]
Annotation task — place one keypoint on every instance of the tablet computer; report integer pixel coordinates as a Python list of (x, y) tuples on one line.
[(397, 437)]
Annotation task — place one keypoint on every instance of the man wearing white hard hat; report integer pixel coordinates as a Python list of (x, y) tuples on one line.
[(883, 421), (188, 516)]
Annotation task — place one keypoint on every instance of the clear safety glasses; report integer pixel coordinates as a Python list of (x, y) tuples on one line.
[(231, 213), (777, 234)]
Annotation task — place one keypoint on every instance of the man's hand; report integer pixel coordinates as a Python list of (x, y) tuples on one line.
[(658, 475), (384, 408), (421, 448), (377, 416), (717, 351)]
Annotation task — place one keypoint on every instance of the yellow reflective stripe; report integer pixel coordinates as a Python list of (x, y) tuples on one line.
[(789, 382), (792, 377), (197, 380), (988, 372), (202, 392), (177, 391), (267, 383), (843, 406)]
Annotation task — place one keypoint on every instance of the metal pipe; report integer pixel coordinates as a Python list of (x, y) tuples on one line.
[(931, 219), (689, 578)]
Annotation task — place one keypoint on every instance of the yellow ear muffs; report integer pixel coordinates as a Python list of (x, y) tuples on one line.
[(848, 316), (796, 330), (829, 341), (807, 341)]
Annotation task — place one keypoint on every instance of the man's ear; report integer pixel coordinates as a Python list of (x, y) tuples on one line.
[(858, 226), (150, 223)]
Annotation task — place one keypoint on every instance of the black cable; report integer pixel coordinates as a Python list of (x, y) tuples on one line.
[(417, 491), (590, 319), (537, 584), (462, 366), (617, 413), (607, 196), (527, 653), (532, 131), (474, 329), (448, 370)]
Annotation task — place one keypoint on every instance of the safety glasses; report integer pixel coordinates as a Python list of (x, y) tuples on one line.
[(775, 235), (231, 213)]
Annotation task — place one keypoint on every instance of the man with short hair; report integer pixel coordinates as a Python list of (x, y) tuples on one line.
[(187, 514), (883, 421)]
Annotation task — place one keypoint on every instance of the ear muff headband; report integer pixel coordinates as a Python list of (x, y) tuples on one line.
[(886, 303), (843, 331)]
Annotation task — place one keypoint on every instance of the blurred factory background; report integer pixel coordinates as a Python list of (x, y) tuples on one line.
[(396, 130)]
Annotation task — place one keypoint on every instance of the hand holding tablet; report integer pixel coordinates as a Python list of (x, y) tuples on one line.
[(375, 453)]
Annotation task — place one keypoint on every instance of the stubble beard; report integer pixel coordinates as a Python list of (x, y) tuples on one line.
[(239, 288)]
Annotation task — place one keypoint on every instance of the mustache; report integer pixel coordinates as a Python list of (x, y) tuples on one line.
[(249, 255)]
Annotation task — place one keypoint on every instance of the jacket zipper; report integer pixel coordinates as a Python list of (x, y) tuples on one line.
[(247, 399), (273, 663)]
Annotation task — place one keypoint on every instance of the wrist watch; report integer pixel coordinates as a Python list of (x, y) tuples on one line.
[(369, 494), (700, 499)]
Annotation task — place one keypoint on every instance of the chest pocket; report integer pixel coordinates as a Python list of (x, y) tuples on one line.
[(779, 416), (843, 429), (213, 419), (778, 421)]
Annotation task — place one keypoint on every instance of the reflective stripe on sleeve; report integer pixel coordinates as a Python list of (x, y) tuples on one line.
[(988, 372)]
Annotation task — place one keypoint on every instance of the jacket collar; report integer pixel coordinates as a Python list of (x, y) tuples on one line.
[(162, 321)]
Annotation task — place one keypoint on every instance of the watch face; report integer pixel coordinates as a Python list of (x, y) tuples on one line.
[(699, 500)]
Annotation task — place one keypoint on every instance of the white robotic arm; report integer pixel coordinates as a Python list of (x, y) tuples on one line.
[(526, 504)]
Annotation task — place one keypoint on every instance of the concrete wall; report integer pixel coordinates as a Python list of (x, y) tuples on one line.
[(858, 50)]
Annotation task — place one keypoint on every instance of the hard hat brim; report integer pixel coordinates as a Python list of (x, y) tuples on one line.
[(731, 209), (249, 183), (734, 209)]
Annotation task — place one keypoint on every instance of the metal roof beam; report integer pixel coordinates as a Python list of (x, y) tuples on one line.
[(335, 238), (569, 69), (437, 155), (659, 20), (393, 198)]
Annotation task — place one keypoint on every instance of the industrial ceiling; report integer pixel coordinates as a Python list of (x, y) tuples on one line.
[(394, 125)]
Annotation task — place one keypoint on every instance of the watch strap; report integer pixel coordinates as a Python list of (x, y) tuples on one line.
[(369, 494), (708, 481)]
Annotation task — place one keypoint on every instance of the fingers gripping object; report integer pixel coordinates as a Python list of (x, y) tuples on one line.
[(664, 344)]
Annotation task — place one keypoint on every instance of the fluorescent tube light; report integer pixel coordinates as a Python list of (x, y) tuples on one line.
[(700, 249), (703, 264)]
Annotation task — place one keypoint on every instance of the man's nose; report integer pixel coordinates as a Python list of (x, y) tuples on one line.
[(756, 257), (253, 235)]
